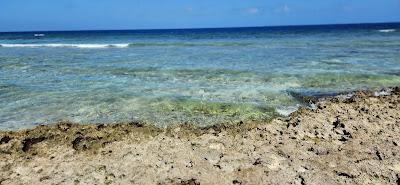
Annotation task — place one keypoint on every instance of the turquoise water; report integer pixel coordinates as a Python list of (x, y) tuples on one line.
[(203, 77)]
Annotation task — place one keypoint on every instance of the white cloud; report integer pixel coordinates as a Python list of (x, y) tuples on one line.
[(253, 10), (284, 9)]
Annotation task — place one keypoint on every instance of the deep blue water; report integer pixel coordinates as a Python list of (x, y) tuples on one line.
[(200, 76)]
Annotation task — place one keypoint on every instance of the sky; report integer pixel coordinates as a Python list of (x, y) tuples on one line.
[(48, 15)]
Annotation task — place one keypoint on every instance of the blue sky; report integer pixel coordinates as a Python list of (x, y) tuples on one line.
[(25, 15)]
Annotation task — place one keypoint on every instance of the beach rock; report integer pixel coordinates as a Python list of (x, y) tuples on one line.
[(341, 141)]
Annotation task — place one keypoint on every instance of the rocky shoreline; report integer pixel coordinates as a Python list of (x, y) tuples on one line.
[(340, 140)]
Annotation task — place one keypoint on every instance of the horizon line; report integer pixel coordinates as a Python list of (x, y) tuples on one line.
[(200, 28)]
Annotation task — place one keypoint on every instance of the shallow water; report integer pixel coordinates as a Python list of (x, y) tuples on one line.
[(202, 76)]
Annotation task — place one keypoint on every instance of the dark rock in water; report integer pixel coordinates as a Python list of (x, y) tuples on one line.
[(307, 96), (396, 90), (393, 73)]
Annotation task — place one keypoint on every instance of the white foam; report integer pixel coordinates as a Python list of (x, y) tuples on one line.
[(382, 93), (387, 30), (286, 111), (89, 46)]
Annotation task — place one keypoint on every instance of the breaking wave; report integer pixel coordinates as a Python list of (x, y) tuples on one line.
[(90, 46), (144, 44), (387, 30)]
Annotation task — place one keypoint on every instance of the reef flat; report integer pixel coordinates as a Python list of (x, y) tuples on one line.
[(347, 139)]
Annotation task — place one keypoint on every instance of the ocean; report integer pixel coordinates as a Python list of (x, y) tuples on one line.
[(196, 76)]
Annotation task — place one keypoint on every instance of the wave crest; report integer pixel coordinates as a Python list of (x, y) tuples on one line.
[(90, 46), (387, 30), (143, 44)]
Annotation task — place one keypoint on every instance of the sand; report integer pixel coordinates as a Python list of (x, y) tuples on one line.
[(340, 141)]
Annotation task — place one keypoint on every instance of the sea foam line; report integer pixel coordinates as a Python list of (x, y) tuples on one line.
[(90, 46), (143, 44), (387, 30)]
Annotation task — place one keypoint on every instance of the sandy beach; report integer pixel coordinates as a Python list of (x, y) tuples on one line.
[(341, 140)]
